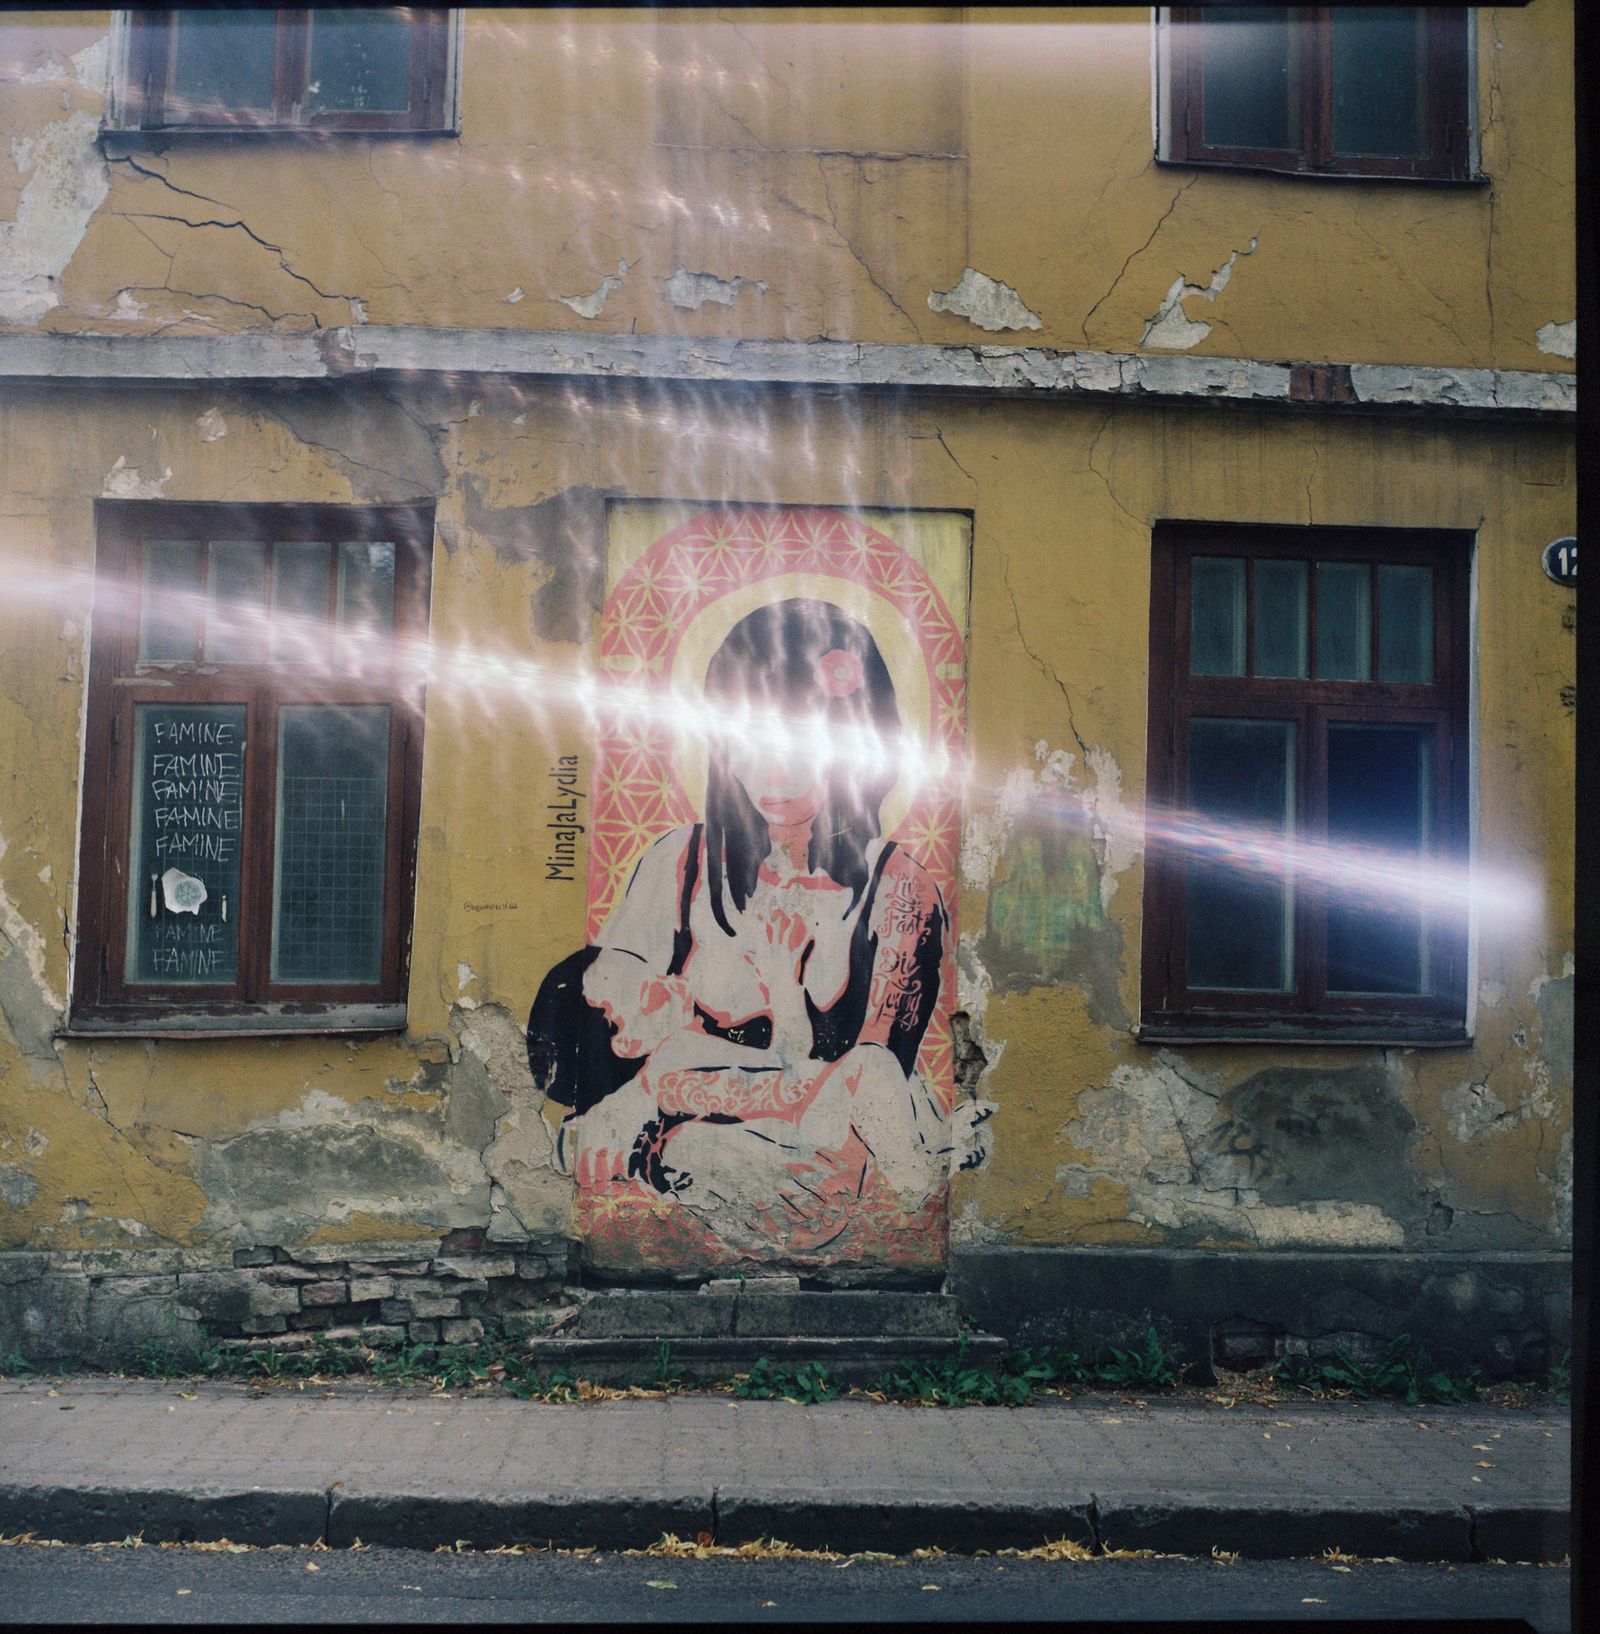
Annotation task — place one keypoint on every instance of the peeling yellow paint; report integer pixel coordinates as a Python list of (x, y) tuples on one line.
[(849, 210)]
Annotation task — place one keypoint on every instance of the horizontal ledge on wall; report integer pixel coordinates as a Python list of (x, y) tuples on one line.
[(1009, 371)]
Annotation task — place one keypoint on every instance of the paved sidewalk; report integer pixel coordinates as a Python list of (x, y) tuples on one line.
[(97, 1459)]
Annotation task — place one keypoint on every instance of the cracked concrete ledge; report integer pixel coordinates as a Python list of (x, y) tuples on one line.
[(1011, 371)]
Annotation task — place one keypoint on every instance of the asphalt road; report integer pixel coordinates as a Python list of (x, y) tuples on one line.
[(291, 1585)]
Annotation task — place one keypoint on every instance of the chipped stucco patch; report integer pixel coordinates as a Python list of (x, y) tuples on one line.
[(1558, 339), (1115, 831), (68, 181), (124, 481), (1289, 1157), (692, 290), (90, 64), (210, 426), (1171, 327), (986, 302), (593, 304)]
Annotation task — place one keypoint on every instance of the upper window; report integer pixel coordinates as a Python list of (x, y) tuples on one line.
[(253, 770), (1306, 844), (244, 68), (1319, 90)]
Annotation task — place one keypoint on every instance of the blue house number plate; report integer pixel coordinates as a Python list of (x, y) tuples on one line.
[(1561, 561)]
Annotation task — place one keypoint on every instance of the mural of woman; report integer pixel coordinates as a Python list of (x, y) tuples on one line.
[(757, 998)]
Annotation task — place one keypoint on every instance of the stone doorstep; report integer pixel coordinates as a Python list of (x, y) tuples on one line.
[(749, 1310), (850, 1360)]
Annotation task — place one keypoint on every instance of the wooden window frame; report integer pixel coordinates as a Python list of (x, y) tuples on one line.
[(1170, 1009), (103, 1000), (1450, 101), (151, 37)]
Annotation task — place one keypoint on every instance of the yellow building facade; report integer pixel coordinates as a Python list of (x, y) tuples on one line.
[(928, 328)]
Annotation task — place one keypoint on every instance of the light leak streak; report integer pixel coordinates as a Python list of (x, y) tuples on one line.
[(1395, 880)]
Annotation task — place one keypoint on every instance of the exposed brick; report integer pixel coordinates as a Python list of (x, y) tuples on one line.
[(285, 1275), (229, 1296), (252, 1256), (423, 1333), (262, 1324), (311, 1319), (325, 1293), (425, 1306), (388, 1268), (463, 1331), (363, 1288), (378, 1335), (452, 1287), (474, 1267), (279, 1342), (463, 1240)]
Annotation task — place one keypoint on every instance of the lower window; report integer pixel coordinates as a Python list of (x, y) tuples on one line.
[(253, 771), (1306, 836)]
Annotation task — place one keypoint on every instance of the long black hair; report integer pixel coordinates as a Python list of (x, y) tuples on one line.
[(772, 659)]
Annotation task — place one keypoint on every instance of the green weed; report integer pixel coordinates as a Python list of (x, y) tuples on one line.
[(15, 1365), (766, 1382), (1400, 1372), (1560, 1376)]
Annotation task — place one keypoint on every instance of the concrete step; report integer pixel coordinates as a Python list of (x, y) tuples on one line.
[(848, 1359), (769, 1308)]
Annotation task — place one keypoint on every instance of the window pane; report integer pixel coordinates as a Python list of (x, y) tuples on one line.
[(1281, 628), (1380, 804), (169, 610), (1241, 906), (360, 61), (187, 828), (300, 582), (1247, 97), (1216, 615), (224, 59), (236, 601), (1379, 80), (1405, 623), (366, 585), (333, 782), (1344, 621)]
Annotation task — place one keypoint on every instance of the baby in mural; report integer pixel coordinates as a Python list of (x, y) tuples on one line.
[(767, 979)]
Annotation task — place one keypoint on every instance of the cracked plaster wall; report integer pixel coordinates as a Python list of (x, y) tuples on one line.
[(160, 1148), (851, 166)]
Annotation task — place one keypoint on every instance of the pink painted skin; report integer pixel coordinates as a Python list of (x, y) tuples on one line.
[(822, 1119)]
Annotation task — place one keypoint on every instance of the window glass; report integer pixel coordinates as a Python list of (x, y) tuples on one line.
[(169, 609), (1379, 80), (333, 782), (1247, 92), (224, 58), (366, 585), (187, 829), (301, 572), (1405, 623), (236, 601), (1240, 906), (1216, 616), (1281, 629), (1344, 621), (1380, 802), (360, 61)]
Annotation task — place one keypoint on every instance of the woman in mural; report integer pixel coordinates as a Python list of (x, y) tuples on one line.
[(768, 976)]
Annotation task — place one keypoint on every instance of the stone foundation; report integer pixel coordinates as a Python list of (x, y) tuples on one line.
[(1508, 1315), (100, 1308)]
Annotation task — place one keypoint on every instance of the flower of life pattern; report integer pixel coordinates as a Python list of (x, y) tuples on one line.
[(638, 796)]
